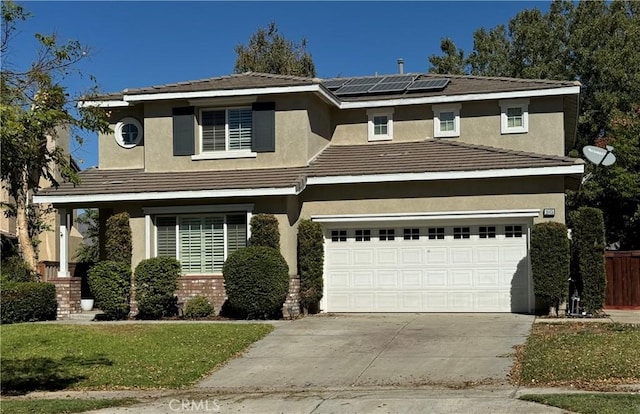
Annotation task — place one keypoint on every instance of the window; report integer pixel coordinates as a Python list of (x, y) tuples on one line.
[(514, 116), (436, 233), (338, 235), (128, 133), (461, 233), (487, 232), (512, 231), (363, 235), (200, 243), (380, 124), (226, 130), (446, 120), (411, 234), (387, 234)]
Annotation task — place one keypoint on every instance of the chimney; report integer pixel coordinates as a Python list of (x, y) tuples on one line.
[(401, 66)]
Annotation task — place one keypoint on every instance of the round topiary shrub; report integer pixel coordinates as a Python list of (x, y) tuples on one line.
[(110, 283), (156, 282), (198, 307), (256, 281), (27, 302)]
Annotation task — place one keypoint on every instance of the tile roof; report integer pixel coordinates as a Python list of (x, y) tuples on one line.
[(433, 155), (458, 85), (350, 160)]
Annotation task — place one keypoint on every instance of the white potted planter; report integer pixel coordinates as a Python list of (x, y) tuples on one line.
[(86, 304)]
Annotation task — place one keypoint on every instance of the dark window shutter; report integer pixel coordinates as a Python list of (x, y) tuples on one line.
[(183, 131), (264, 127)]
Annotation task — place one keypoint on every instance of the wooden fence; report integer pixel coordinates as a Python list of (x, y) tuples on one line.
[(623, 280)]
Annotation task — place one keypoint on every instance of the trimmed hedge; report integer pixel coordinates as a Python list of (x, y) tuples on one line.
[(27, 302), (198, 307), (118, 238), (550, 260), (110, 283), (588, 239), (256, 281), (264, 231), (310, 263), (156, 282), (14, 269)]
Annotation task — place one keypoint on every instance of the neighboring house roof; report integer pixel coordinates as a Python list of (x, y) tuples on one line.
[(424, 160), (458, 85)]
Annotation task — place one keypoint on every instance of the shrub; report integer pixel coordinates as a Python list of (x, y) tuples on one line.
[(28, 302), (118, 238), (550, 259), (14, 269), (310, 263), (110, 283), (256, 281), (156, 282), (198, 307), (588, 239), (264, 231)]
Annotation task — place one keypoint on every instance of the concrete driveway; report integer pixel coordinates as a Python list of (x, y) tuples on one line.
[(377, 350)]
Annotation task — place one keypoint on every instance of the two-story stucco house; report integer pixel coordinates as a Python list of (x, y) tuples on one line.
[(427, 186)]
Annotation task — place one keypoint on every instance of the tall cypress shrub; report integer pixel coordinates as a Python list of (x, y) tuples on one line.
[(265, 231), (588, 239), (310, 263), (118, 238), (550, 260)]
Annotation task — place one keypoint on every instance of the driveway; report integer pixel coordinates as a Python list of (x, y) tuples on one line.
[(377, 350)]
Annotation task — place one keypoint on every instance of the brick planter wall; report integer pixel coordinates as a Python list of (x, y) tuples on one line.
[(211, 287), (291, 307), (68, 293)]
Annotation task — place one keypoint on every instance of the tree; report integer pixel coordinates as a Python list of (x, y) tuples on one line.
[(35, 108), (453, 61), (270, 52), (596, 43)]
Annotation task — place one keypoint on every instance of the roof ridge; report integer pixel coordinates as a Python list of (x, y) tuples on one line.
[(273, 75), (503, 78), (503, 150)]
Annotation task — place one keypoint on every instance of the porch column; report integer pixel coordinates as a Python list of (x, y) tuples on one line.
[(64, 243)]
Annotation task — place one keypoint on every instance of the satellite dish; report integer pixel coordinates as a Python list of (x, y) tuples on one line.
[(599, 156)]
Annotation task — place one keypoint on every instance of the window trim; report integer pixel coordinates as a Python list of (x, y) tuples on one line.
[(507, 104), (371, 114), (439, 109), (227, 153), (118, 132)]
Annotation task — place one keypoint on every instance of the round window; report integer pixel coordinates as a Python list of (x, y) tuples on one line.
[(128, 132)]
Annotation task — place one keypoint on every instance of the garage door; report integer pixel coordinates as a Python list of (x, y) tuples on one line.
[(459, 268)]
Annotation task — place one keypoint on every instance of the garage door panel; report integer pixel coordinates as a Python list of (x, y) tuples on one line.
[(487, 272)]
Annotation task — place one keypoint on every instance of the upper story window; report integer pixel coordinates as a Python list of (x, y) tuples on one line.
[(446, 120), (514, 116), (128, 132), (225, 129), (380, 125)]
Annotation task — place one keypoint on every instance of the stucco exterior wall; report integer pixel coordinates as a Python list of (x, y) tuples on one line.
[(113, 156)]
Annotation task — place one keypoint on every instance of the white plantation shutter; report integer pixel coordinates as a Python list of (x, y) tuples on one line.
[(166, 236), (213, 131), (190, 244), (240, 125), (236, 233)]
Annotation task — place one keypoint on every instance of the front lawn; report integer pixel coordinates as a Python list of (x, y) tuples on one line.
[(128, 356), (590, 403), (59, 406), (594, 355)]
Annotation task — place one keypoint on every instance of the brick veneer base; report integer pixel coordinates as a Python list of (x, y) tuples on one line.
[(68, 294), (291, 307), (211, 287)]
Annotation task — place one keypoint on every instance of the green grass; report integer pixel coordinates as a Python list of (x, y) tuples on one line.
[(581, 353), (59, 357), (59, 406), (590, 403)]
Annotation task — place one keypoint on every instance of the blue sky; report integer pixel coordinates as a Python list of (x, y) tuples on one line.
[(137, 44)]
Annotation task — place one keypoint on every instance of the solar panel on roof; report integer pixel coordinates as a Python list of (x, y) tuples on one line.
[(353, 89), (365, 81), (399, 78), (390, 86), (428, 84), (334, 83)]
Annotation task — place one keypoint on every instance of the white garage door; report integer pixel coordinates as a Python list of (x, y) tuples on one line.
[(460, 268)]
